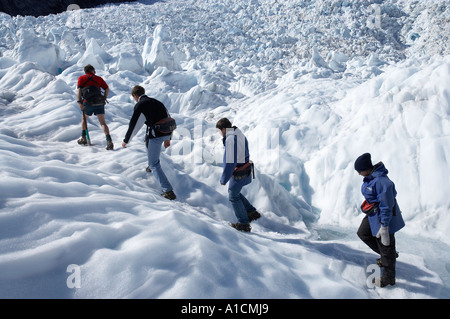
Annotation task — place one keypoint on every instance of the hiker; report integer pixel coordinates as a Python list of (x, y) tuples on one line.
[(237, 169), (383, 216), (92, 101), (149, 111)]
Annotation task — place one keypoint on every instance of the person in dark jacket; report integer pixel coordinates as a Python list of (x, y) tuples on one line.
[(149, 111), (383, 218), (236, 162)]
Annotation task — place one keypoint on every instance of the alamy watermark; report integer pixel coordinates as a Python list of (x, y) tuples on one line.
[(75, 19), (375, 272), (74, 279), (72, 7), (374, 19), (198, 145), (264, 142)]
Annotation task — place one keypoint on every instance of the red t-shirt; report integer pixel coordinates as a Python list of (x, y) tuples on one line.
[(85, 80)]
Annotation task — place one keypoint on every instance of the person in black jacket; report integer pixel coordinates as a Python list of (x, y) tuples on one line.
[(149, 111)]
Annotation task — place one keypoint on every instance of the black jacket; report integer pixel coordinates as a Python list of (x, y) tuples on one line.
[(146, 111)]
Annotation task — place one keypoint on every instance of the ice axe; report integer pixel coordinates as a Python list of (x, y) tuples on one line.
[(87, 132)]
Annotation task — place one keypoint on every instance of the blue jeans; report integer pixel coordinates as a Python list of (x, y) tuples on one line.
[(240, 204), (153, 153)]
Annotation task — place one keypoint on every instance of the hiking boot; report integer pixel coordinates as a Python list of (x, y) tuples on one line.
[(241, 227), (148, 170), (82, 140), (109, 145), (383, 281), (379, 260), (169, 195), (253, 215)]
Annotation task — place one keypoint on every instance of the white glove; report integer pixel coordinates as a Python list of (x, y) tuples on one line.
[(384, 234)]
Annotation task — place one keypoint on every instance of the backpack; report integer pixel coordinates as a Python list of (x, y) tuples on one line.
[(93, 94)]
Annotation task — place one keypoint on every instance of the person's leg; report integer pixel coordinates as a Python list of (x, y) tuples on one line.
[(83, 123), (248, 207), (87, 112), (153, 153), (365, 234), (100, 112), (234, 196), (84, 119), (102, 121), (388, 258)]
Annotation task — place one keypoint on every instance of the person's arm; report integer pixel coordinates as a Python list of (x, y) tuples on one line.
[(229, 159), (136, 122), (386, 198), (80, 99)]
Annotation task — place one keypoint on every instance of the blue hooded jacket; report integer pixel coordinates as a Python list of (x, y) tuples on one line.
[(378, 188)]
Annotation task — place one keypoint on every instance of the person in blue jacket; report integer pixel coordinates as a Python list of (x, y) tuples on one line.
[(383, 216), (237, 170)]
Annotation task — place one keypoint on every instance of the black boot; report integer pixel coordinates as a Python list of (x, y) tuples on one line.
[(253, 215), (241, 227), (82, 140), (384, 281), (379, 260), (169, 195), (109, 143)]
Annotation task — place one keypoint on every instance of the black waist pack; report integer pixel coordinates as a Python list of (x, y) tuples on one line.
[(165, 126), (243, 171), (369, 209)]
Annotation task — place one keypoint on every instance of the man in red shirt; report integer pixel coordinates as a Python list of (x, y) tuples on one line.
[(92, 81)]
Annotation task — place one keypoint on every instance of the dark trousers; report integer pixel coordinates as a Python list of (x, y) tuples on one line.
[(387, 253)]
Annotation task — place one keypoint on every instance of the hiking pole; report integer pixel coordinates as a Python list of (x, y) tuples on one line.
[(87, 132)]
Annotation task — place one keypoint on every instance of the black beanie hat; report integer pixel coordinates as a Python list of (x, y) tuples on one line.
[(363, 163)]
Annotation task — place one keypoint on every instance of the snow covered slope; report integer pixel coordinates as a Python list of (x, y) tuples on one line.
[(313, 84)]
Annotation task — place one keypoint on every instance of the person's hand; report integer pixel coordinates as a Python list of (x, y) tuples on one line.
[(166, 143), (384, 234), (124, 145)]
